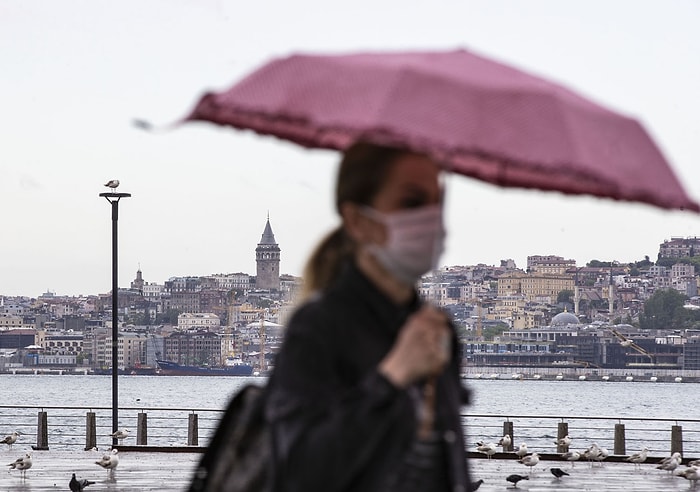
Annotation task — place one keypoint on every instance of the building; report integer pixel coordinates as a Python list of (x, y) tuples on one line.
[(679, 247), (267, 259), (537, 287), (549, 264), (194, 348), (198, 321)]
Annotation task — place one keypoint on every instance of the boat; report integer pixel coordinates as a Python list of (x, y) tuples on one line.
[(169, 368)]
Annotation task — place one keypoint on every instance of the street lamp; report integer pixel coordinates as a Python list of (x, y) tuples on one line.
[(113, 199)]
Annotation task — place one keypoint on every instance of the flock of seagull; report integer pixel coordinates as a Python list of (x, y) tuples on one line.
[(109, 461), (592, 454)]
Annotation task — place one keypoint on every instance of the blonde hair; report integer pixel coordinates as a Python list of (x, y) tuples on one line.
[(362, 173)]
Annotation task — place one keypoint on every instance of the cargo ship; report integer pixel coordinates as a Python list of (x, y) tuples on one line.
[(169, 368)]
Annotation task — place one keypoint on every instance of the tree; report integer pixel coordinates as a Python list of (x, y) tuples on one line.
[(664, 310), (490, 332), (565, 296)]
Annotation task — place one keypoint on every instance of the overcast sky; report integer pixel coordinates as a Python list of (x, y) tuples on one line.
[(76, 72)]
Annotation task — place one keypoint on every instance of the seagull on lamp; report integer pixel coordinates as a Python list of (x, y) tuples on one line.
[(112, 183)]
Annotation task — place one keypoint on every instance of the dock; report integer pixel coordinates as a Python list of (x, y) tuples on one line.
[(171, 472)]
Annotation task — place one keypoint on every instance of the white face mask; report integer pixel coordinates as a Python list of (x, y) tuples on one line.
[(415, 241)]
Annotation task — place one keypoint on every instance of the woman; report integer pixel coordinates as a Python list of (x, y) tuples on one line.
[(349, 400)]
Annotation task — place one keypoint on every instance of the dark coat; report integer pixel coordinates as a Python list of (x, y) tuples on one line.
[(337, 424)]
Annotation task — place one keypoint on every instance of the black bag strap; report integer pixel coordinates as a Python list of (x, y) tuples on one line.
[(241, 429)]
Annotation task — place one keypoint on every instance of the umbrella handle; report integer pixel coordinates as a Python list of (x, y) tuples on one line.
[(427, 421)]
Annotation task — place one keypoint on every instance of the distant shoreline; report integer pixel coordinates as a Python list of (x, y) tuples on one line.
[(580, 373)]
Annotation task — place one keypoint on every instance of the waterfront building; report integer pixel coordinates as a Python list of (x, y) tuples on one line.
[(131, 349), (267, 260), (17, 339), (194, 348), (60, 342)]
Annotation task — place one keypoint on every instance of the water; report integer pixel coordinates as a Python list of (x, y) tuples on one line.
[(505, 399)]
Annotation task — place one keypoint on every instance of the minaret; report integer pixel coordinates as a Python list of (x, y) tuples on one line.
[(611, 293), (267, 258)]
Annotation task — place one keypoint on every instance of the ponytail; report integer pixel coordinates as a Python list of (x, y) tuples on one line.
[(326, 261)]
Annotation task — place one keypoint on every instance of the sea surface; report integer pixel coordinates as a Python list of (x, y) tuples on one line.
[(536, 407)]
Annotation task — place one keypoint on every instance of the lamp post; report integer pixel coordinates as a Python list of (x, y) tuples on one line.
[(113, 199)]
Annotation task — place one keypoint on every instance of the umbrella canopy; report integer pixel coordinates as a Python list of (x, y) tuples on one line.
[(478, 117)]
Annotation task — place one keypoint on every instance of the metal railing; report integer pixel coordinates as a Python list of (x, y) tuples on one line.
[(62, 427)]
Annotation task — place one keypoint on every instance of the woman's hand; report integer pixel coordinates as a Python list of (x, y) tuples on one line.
[(422, 348)]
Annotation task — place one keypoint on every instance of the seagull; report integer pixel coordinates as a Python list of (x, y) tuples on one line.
[(638, 458), (594, 452), (515, 478), (121, 434), (505, 442), (530, 460), (78, 485), (488, 449), (112, 183), (690, 473), (22, 464), (522, 450), (564, 441), (558, 472), (695, 463), (602, 454), (109, 461), (571, 456), (670, 463), (11, 439)]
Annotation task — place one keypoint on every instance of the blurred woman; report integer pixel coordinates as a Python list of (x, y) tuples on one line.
[(366, 393)]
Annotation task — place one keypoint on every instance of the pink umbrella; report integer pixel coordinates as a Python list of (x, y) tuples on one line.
[(478, 117)]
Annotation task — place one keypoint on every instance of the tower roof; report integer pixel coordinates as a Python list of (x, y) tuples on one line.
[(267, 236)]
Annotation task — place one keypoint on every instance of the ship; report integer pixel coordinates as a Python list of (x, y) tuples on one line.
[(169, 368)]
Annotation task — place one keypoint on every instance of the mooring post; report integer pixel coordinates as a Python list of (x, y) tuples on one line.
[(562, 432), (619, 447), (508, 431), (193, 431), (677, 439), (142, 429), (42, 432), (90, 431)]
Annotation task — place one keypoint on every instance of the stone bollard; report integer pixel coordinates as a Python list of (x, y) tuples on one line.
[(42, 432), (508, 431), (677, 439), (142, 429), (193, 430), (90, 431), (562, 432), (619, 446)]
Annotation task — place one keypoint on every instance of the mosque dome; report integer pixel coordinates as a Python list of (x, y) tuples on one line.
[(565, 318)]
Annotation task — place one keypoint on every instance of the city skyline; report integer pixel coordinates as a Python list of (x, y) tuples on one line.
[(138, 273), (82, 72)]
